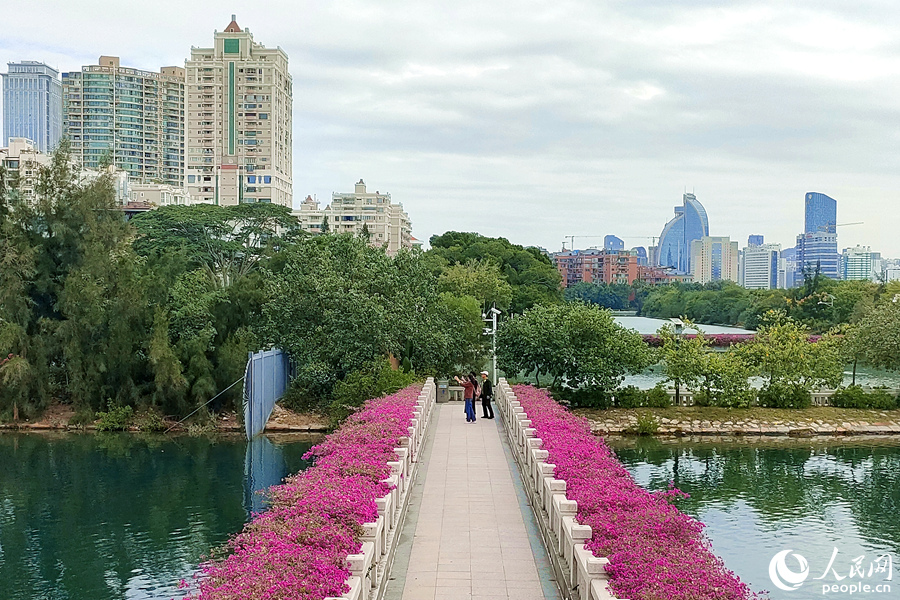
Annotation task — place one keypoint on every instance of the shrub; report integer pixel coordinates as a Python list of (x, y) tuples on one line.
[(149, 421), (374, 381), (118, 418), (657, 397), (629, 397), (646, 424), (310, 389), (855, 397), (583, 397), (83, 417), (784, 396)]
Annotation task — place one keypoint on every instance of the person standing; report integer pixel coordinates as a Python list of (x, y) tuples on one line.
[(469, 386), (487, 394)]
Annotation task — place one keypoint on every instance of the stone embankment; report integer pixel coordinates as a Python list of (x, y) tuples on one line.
[(696, 421)]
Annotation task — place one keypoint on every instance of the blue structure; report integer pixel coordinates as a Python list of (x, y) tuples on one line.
[(32, 104), (755, 240), (611, 242), (690, 223), (642, 255), (266, 379), (817, 245), (821, 213)]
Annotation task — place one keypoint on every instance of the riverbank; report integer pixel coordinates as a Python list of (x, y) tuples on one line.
[(58, 417), (710, 421)]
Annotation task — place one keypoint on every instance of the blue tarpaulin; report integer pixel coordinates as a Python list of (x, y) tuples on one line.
[(265, 381)]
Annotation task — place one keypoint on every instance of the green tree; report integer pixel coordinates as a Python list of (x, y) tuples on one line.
[(877, 338), (684, 359), (479, 279), (531, 274), (789, 363), (575, 344)]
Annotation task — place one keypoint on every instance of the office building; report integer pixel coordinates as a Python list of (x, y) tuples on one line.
[(714, 258), (239, 101), (755, 240), (858, 263), (126, 117), (22, 161), (387, 223), (690, 223), (611, 242), (820, 213), (642, 255), (32, 104), (759, 266), (817, 251)]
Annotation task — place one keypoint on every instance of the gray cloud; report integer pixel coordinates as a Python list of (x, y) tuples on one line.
[(537, 120)]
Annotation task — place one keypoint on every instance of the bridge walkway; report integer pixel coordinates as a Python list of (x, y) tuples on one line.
[(470, 532)]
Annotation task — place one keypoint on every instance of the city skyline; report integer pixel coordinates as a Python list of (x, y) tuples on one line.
[(537, 124)]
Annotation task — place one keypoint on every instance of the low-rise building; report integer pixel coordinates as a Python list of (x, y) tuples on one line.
[(160, 194), (387, 223), (23, 161)]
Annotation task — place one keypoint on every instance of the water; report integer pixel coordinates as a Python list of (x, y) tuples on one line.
[(810, 497), (116, 516), (647, 325)]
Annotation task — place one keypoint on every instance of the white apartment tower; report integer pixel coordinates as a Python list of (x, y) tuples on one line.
[(239, 103), (759, 267)]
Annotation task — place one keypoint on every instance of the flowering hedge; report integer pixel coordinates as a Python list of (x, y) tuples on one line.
[(298, 548), (655, 551), (719, 340)]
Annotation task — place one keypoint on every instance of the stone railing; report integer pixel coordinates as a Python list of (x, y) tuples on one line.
[(579, 574), (370, 569)]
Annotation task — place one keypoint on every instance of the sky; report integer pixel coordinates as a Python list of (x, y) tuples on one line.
[(539, 120)]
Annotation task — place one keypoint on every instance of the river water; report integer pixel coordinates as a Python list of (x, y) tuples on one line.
[(817, 499), (116, 516)]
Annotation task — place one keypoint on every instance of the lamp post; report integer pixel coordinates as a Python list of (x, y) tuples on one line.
[(679, 329), (490, 317)]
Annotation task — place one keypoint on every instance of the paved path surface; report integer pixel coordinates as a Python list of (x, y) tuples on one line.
[(470, 539)]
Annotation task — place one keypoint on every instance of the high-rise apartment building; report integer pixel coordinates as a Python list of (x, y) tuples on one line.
[(387, 223), (690, 223), (32, 104), (858, 263), (759, 266), (127, 117), (239, 102), (714, 258)]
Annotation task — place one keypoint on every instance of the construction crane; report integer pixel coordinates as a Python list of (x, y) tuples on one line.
[(571, 239), (846, 224)]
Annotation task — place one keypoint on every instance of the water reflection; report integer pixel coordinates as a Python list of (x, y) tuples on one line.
[(123, 515), (759, 497)]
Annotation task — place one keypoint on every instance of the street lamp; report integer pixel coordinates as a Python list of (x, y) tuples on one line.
[(679, 329), (490, 317)]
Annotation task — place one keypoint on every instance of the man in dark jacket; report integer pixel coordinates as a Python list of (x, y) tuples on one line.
[(487, 394)]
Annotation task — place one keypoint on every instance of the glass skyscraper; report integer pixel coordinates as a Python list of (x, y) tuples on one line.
[(821, 213), (817, 247), (32, 104), (690, 223)]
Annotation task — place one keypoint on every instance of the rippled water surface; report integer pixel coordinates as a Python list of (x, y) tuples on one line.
[(110, 516), (759, 498)]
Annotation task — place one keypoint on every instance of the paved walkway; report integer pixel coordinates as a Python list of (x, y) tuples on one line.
[(470, 536)]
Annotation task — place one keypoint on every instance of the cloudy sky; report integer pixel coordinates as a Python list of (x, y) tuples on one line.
[(540, 120)]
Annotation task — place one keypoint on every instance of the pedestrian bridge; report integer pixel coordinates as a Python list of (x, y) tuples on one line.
[(477, 514)]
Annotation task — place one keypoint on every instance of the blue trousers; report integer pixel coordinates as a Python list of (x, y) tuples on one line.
[(470, 409)]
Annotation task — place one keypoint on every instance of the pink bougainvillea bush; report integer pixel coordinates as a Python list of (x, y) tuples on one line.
[(655, 551), (297, 548)]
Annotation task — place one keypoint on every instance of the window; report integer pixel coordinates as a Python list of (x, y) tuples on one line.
[(251, 178), (263, 116), (232, 46), (267, 178), (191, 178)]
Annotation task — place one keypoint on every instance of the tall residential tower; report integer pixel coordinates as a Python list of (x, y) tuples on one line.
[(131, 118), (32, 104), (239, 104)]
